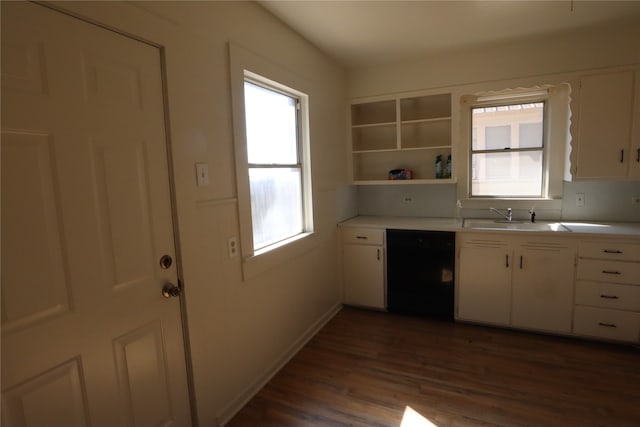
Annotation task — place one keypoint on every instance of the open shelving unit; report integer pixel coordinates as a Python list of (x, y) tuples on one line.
[(400, 133)]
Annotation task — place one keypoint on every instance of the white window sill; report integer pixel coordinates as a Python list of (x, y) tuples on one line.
[(500, 203), (276, 254)]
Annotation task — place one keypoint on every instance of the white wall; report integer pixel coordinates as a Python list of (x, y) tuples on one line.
[(554, 54), (534, 60), (239, 331)]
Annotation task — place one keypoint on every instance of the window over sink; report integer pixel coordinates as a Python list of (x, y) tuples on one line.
[(507, 150), (514, 143)]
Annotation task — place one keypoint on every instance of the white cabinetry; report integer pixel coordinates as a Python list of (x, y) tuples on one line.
[(520, 281), (608, 290), (400, 133), (364, 267), (543, 276), (608, 140), (484, 278)]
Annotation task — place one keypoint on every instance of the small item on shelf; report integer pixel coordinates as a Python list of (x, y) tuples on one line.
[(400, 174), (447, 170), (438, 166)]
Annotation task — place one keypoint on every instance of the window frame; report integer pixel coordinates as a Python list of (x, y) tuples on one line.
[(557, 138), (544, 149), (299, 164), (247, 65)]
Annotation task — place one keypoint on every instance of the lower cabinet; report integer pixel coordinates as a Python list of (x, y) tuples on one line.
[(516, 280), (543, 277), (484, 280), (364, 267), (608, 290), (606, 323)]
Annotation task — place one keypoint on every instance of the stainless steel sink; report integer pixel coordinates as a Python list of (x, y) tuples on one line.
[(490, 224)]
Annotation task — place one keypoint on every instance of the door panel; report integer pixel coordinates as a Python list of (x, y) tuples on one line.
[(121, 174), (142, 371), (88, 338), (34, 277), (57, 394)]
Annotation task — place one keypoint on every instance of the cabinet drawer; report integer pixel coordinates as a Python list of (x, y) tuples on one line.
[(609, 271), (608, 295), (609, 324), (363, 236), (610, 250)]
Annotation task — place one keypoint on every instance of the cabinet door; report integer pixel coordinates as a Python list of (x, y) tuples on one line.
[(484, 284), (634, 152), (543, 288), (604, 130), (364, 275)]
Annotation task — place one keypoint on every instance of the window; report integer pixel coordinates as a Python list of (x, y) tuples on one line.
[(508, 150), (274, 178), (274, 163)]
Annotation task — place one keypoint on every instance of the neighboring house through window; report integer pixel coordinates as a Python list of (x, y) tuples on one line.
[(507, 152)]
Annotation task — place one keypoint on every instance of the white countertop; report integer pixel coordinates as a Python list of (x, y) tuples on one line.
[(601, 229)]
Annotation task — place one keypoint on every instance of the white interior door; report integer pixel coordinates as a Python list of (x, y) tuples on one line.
[(87, 336)]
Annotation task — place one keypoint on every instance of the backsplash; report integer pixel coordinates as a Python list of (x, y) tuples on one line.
[(604, 201)]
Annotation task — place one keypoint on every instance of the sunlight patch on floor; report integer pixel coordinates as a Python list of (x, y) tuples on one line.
[(413, 419)]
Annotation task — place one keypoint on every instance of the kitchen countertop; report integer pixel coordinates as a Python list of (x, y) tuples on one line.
[(572, 228)]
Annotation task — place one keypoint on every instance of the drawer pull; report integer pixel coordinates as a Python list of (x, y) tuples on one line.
[(612, 251), (610, 272), (608, 296), (607, 325), (362, 237)]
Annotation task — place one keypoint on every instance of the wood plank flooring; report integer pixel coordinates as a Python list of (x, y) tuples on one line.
[(364, 368)]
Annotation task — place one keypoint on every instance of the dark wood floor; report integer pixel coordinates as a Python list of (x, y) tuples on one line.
[(364, 368)]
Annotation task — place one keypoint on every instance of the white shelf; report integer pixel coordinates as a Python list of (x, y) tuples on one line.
[(379, 144), (438, 119), (407, 181), (373, 125), (402, 150)]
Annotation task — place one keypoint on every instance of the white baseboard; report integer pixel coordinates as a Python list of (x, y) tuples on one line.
[(245, 396)]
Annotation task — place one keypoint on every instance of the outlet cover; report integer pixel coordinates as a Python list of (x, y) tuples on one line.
[(580, 199), (232, 246), (407, 199)]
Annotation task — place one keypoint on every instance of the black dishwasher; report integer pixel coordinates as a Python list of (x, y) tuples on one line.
[(420, 269)]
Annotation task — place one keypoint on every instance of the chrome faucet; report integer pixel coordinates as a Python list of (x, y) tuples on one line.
[(508, 216)]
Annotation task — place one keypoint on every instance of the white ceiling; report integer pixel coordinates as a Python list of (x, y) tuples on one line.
[(364, 33)]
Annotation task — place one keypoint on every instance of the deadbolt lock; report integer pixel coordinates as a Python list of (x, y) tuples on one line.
[(166, 261)]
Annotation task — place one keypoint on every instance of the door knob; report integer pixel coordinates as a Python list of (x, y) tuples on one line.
[(169, 290)]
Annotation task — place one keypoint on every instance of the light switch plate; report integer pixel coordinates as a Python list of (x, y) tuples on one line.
[(580, 199), (202, 174)]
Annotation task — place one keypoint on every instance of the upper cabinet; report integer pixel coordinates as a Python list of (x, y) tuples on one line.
[(401, 133), (608, 137)]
